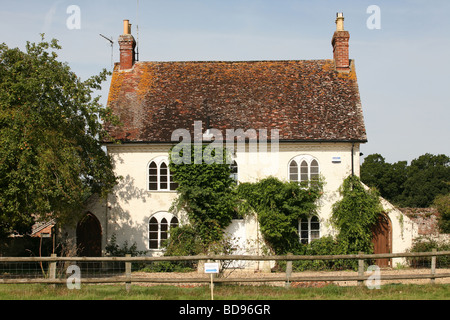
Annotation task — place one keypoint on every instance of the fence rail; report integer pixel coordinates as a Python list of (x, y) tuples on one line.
[(48, 274), (230, 257)]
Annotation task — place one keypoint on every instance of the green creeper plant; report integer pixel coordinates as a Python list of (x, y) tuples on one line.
[(355, 215), (278, 206), (207, 194)]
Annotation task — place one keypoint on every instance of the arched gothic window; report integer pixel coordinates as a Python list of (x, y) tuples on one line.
[(309, 229), (159, 176), (304, 169), (159, 227)]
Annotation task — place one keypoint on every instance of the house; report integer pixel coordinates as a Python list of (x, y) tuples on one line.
[(307, 112)]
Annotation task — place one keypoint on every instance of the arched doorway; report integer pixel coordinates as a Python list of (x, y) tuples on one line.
[(382, 239), (89, 236)]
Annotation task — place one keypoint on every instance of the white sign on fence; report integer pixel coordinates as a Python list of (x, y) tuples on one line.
[(212, 268)]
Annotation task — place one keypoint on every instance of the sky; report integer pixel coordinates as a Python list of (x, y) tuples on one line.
[(401, 50)]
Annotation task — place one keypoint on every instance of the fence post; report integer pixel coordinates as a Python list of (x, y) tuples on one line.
[(288, 272), (128, 273), (433, 267), (52, 270), (360, 270)]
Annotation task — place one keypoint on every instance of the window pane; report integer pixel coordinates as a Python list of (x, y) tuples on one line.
[(163, 169), (153, 169), (153, 176), (304, 237), (153, 186), (304, 171), (315, 225), (293, 171), (164, 225), (315, 235), (304, 231), (164, 228), (153, 225), (153, 234), (153, 244), (315, 228), (163, 186), (163, 176), (174, 222), (304, 226), (314, 170)]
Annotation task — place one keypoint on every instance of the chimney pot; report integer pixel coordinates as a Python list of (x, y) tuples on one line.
[(126, 27), (340, 21)]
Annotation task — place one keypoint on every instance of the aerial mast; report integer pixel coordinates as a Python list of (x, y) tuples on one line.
[(112, 48)]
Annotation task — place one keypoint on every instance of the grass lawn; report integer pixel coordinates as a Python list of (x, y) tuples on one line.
[(224, 292)]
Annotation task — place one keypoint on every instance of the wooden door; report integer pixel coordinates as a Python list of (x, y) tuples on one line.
[(89, 236), (382, 240)]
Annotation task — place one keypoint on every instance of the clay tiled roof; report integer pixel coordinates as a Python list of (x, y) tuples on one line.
[(305, 100)]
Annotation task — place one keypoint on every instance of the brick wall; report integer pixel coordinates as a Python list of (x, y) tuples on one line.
[(425, 218)]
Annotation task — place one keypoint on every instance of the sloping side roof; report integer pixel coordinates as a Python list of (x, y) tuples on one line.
[(304, 100)]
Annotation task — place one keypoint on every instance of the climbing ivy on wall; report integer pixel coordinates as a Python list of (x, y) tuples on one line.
[(211, 199), (355, 215), (206, 192), (278, 206)]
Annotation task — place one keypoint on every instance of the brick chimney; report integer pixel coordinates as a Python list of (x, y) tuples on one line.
[(127, 45), (340, 45)]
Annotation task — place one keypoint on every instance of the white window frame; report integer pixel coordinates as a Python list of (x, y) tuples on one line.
[(299, 160), (159, 216), (159, 161), (310, 238)]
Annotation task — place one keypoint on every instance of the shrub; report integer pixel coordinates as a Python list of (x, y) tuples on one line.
[(424, 244), (323, 246), (114, 250)]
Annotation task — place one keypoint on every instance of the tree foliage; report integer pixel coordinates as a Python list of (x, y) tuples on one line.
[(428, 177), (416, 185), (442, 204), (387, 178), (51, 159), (355, 215)]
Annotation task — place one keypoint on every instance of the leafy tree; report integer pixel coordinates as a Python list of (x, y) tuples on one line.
[(442, 204), (355, 215), (428, 177), (51, 160), (416, 185), (206, 192), (387, 178)]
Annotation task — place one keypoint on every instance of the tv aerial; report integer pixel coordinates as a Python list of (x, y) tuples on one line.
[(112, 49)]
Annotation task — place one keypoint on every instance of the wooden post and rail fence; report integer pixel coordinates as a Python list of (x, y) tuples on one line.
[(287, 277)]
